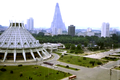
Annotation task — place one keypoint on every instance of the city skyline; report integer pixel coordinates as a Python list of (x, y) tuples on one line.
[(80, 13)]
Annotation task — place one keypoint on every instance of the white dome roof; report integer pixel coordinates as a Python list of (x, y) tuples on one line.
[(16, 36)]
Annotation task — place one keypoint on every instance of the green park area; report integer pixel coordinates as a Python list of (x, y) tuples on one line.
[(118, 68), (68, 67), (82, 61), (30, 73)]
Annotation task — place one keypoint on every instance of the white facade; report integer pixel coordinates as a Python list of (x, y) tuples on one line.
[(86, 34), (59, 31), (30, 24), (16, 43), (54, 31), (105, 30)]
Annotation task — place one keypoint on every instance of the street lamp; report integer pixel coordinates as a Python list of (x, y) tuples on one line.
[(36, 60), (110, 73)]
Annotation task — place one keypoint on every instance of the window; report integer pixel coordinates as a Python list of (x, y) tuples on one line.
[(17, 24), (18, 43), (25, 43), (12, 43)]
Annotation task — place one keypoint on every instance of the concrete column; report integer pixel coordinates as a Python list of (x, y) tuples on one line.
[(32, 54), (5, 56), (15, 55), (39, 53), (24, 56), (46, 51)]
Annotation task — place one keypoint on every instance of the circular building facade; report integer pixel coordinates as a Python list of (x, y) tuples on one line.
[(16, 43)]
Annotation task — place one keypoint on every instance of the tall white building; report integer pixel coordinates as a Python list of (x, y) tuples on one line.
[(105, 30), (30, 24)]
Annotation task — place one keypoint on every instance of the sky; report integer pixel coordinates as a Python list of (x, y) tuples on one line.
[(80, 13)]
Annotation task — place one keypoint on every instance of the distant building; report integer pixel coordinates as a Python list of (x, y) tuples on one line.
[(59, 31), (54, 31), (71, 30), (86, 34), (89, 29), (82, 34), (105, 30), (57, 22), (30, 24)]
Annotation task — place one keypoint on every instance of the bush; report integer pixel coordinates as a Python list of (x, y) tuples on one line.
[(67, 66), (99, 63), (84, 58), (11, 72), (71, 51), (19, 65), (76, 52), (21, 75), (3, 69)]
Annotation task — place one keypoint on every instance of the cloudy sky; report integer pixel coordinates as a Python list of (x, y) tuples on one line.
[(81, 13)]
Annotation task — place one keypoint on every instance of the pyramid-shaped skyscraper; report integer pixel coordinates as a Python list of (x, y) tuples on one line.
[(57, 23), (16, 43)]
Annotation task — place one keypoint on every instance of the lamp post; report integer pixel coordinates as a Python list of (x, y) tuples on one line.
[(110, 73), (36, 60)]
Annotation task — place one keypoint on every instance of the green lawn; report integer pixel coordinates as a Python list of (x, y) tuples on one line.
[(34, 72), (68, 67), (81, 61), (115, 55), (118, 68), (58, 53)]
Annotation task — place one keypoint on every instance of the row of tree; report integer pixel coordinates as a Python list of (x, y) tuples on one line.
[(87, 41)]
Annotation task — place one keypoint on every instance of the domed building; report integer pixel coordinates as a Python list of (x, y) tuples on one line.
[(16, 43)]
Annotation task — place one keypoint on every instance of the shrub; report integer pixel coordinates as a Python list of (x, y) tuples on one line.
[(3, 69), (71, 51), (76, 52), (76, 69), (99, 63), (19, 65), (67, 66), (84, 58), (21, 75), (11, 72)]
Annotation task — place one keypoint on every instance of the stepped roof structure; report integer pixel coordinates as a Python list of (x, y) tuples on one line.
[(16, 43)]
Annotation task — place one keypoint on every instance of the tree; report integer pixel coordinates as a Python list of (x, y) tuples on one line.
[(73, 47)]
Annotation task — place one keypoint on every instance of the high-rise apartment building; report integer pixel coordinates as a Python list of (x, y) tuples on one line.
[(105, 30), (71, 30), (30, 24)]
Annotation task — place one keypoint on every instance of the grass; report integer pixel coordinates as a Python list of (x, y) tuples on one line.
[(110, 58), (34, 72), (115, 55), (81, 61), (58, 53), (68, 67), (118, 68)]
